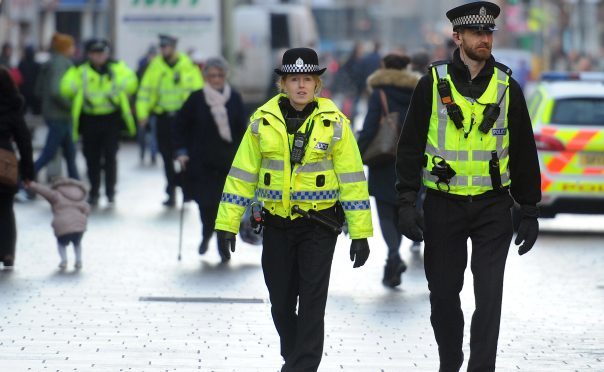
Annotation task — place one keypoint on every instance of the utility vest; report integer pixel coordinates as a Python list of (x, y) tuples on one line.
[(468, 150), (100, 94), (331, 170), (165, 88)]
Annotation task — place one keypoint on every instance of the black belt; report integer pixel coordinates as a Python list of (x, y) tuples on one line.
[(468, 198), (286, 222)]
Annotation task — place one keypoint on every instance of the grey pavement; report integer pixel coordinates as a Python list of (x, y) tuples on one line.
[(216, 317)]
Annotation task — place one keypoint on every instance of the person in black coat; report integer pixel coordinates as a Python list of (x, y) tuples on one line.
[(12, 128), (207, 133), (397, 83)]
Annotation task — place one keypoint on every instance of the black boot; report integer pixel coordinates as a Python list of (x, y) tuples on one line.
[(170, 202), (203, 247), (392, 273)]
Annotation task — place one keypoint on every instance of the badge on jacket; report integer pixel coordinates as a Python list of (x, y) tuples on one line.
[(322, 146), (499, 131)]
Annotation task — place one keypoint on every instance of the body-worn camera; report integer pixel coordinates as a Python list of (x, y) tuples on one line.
[(490, 113), (298, 147)]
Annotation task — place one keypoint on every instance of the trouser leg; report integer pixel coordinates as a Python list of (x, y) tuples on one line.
[(208, 213), (164, 143), (388, 216), (315, 254), (92, 149), (491, 238), (8, 229), (69, 153), (110, 148), (280, 268), (445, 259), (53, 141)]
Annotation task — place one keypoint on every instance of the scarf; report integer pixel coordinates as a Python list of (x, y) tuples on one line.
[(216, 100)]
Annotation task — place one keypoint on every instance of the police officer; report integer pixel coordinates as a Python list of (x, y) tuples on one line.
[(300, 157), (166, 84), (100, 89), (468, 136)]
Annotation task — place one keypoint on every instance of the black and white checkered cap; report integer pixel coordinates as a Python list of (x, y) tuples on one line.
[(300, 61), (478, 14)]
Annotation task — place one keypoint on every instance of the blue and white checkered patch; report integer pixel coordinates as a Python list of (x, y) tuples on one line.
[(355, 205), (269, 194), (235, 199), (315, 195)]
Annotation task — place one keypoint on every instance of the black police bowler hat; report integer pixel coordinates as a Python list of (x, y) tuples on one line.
[(478, 15), (300, 61), (165, 40), (96, 45)]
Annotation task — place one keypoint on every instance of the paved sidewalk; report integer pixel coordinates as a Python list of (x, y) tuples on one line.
[(94, 320)]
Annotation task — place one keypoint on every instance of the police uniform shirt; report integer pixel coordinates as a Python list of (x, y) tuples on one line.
[(524, 163)]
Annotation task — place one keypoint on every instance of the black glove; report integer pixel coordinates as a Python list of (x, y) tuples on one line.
[(359, 252), (528, 228), (410, 221), (226, 240)]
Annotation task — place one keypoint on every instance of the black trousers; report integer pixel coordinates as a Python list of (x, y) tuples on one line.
[(8, 229), (449, 224), (165, 123), (388, 215), (296, 261), (100, 140), (207, 213)]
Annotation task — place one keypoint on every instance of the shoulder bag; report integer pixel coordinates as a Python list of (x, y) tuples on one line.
[(8, 168), (383, 146)]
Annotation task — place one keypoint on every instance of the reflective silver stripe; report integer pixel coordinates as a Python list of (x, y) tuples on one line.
[(337, 135), (318, 166), (243, 175), (351, 177), (272, 164), (501, 91), (486, 154), (449, 155), (254, 126), (442, 70), (486, 180)]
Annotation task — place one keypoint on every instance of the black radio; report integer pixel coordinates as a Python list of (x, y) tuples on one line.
[(298, 147)]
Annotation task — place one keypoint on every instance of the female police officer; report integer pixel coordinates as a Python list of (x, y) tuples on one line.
[(299, 157)]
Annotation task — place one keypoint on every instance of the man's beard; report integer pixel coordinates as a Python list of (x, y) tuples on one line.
[(478, 56)]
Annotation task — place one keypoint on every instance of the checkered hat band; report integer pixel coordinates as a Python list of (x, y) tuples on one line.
[(295, 69), (474, 19)]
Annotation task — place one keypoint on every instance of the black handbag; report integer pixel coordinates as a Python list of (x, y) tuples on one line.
[(383, 146)]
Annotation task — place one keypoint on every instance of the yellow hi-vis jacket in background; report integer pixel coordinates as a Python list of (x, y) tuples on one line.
[(331, 170), (165, 88), (93, 93)]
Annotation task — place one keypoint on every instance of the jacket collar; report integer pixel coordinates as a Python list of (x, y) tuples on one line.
[(392, 77), (325, 107), (461, 70)]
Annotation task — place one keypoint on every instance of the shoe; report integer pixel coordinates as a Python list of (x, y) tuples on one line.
[(62, 265), (170, 202), (8, 263), (203, 247), (110, 199), (392, 273), (416, 247), (93, 201), (78, 265)]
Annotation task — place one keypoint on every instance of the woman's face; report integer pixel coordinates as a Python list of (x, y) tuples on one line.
[(215, 77), (300, 89)]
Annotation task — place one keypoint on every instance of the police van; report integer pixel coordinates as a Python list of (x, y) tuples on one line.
[(567, 111)]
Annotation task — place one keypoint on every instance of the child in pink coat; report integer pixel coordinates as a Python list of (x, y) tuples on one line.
[(70, 210)]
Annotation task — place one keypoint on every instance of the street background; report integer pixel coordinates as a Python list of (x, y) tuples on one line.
[(217, 317)]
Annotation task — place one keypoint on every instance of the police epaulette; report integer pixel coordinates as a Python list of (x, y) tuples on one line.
[(503, 68), (438, 63)]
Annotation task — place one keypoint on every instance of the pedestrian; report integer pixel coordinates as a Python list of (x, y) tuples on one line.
[(12, 128), (468, 135), (56, 110), (29, 69), (166, 84), (299, 156), (70, 210), (100, 89), (396, 84), (208, 130), (146, 136)]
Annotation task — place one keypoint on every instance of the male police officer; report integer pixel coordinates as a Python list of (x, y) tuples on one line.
[(468, 135), (100, 89), (165, 86)]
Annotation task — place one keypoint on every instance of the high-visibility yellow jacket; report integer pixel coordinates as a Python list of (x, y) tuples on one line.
[(165, 88), (93, 93), (468, 150), (331, 170)]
